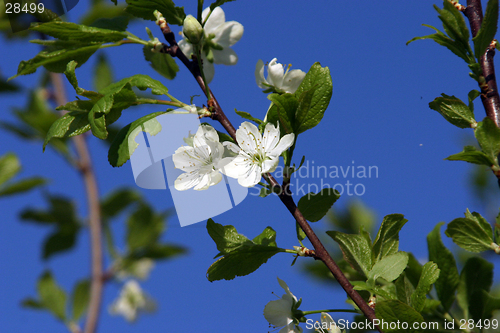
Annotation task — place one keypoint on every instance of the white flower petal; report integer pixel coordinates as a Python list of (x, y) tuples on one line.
[(249, 137), (226, 57), (259, 74), (208, 69), (216, 19), (275, 73), (187, 180), (270, 164), (228, 33), (271, 137), (285, 143), (252, 177), (231, 146), (278, 313), (292, 80), (328, 322), (237, 166), (186, 48)]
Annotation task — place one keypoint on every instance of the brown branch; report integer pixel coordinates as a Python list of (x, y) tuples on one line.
[(84, 164), (285, 195), (489, 90)]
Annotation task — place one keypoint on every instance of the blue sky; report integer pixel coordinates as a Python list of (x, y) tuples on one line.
[(378, 116)]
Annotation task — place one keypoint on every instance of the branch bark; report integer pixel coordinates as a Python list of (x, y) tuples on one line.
[(489, 90), (285, 195), (84, 164)]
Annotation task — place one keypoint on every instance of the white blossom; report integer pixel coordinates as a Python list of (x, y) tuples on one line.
[(139, 269), (219, 36), (279, 313), (200, 162), (277, 79), (131, 301), (257, 154), (328, 325)]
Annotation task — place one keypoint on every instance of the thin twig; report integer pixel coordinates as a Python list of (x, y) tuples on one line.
[(489, 90), (94, 209), (285, 195)]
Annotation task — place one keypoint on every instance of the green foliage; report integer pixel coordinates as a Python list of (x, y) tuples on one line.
[(488, 137), (103, 73), (145, 8), (430, 273), (488, 29), (475, 281), (305, 108), (163, 63), (388, 268), (124, 144), (387, 241), (454, 110), (472, 233), (62, 215), (77, 32), (103, 108), (396, 311), (314, 206), (472, 155), (246, 115), (218, 3), (80, 299), (50, 297), (9, 168), (456, 38), (447, 283), (240, 255), (356, 250)]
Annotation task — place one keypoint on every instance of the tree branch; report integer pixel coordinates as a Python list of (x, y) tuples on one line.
[(84, 165), (489, 90), (285, 195)]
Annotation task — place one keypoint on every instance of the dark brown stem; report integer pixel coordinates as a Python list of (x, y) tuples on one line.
[(489, 90), (285, 195), (85, 167)]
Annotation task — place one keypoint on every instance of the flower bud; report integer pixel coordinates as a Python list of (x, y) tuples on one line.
[(192, 29)]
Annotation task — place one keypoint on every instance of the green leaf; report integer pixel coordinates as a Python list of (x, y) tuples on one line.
[(488, 29), (448, 280), (301, 235), (476, 277), (283, 110), (472, 233), (454, 23), (488, 137), (394, 311), (357, 250), (22, 186), (454, 46), (472, 95), (80, 299), (387, 240), (311, 109), (163, 63), (55, 59), (124, 145), (72, 31), (240, 255), (9, 167), (118, 23), (404, 289), (60, 241), (52, 297), (453, 110), (490, 304), (145, 8), (414, 270), (103, 74), (472, 155), (117, 201), (32, 304), (430, 273), (389, 268), (156, 252), (144, 227), (315, 206), (248, 116), (218, 3), (71, 124)]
